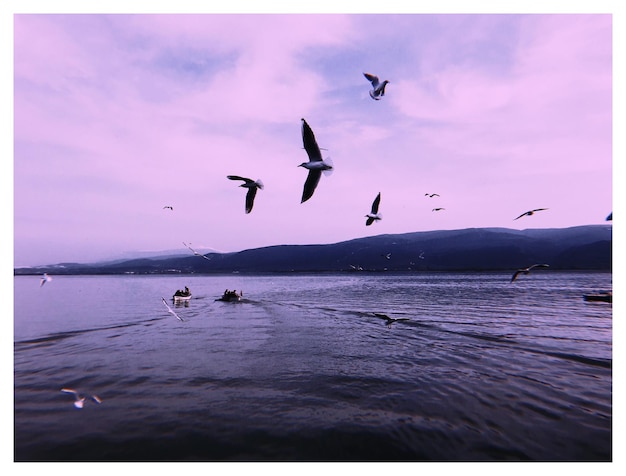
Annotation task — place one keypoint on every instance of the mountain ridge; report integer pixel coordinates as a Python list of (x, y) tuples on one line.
[(580, 247)]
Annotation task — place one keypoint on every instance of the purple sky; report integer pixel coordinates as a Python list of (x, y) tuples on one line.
[(117, 116)]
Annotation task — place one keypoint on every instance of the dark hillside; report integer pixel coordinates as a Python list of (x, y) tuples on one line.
[(576, 248)]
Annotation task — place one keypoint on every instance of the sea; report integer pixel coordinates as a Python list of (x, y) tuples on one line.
[(306, 369)]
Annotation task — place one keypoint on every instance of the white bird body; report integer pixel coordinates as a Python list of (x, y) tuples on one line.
[(44, 279), (374, 215), (322, 165), (378, 87), (527, 270), (390, 320), (196, 253), (170, 310), (316, 165), (252, 186), (79, 400), (529, 213)]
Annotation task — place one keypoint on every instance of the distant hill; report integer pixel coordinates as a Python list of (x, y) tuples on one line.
[(474, 249)]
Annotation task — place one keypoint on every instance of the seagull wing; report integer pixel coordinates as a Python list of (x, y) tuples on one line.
[(515, 275), (369, 221), (310, 144), (311, 182), (538, 209), (523, 214), (250, 198), (539, 266), (376, 203), (70, 390), (237, 177), (372, 79), (171, 310)]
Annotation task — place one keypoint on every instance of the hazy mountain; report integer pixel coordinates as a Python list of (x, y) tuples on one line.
[(577, 248)]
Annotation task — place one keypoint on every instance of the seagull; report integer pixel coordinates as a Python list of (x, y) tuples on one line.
[(530, 213), (431, 195), (390, 320), (527, 270), (79, 401), (610, 217), (379, 88), (315, 165), (196, 253), (171, 310), (167, 206), (252, 187), (374, 215), (44, 279), (387, 256), (438, 209)]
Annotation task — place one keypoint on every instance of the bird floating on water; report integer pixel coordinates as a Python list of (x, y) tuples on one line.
[(79, 400), (390, 320), (252, 187), (527, 270), (438, 209), (170, 310), (44, 279), (530, 212), (378, 88), (315, 165), (196, 253), (374, 215), (431, 195)]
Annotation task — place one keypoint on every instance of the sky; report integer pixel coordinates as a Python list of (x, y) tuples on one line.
[(117, 116)]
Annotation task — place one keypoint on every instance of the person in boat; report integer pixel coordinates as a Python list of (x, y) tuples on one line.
[(187, 290)]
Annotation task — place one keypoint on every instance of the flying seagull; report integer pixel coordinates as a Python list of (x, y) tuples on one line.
[(315, 165), (378, 88), (196, 253), (527, 270), (438, 209), (374, 215), (44, 279), (252, 187), (610, 217), (390, 320), (387, 256), (167, 206), (170, 309), (79, 400), (530, 213), (431, 195)]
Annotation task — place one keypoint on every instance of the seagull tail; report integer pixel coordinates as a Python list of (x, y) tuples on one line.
[(328, 161)]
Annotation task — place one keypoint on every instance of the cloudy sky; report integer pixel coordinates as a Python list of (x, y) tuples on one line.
[(117, 116)]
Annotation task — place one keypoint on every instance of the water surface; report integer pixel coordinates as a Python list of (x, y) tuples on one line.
[(301, 369)]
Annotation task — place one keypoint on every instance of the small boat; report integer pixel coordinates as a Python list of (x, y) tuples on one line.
[(604, 297), (182, 295), (231, 296)]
